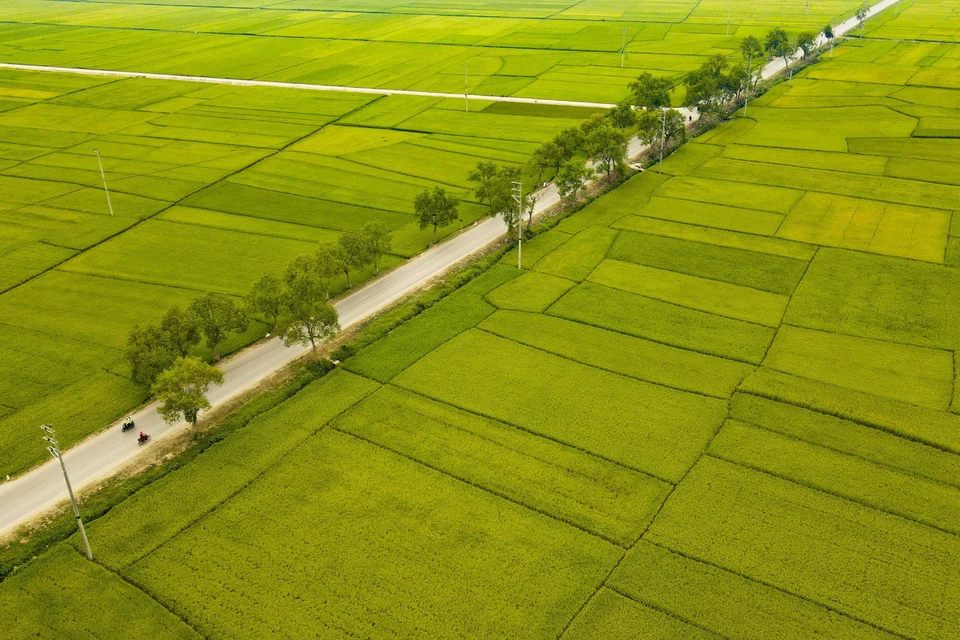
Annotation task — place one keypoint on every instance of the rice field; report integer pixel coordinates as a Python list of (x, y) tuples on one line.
[(270, 172), (717, 402)]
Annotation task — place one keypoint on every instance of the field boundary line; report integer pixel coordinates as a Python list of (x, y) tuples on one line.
[(535, 433), (547, 312), (855, 419), (593, 595), (622, 547), (237, 82), (666, 612), (795, 438), (776, 588), (724, 246), (245, 485), (833, 494), (142, 590), (599, 368)]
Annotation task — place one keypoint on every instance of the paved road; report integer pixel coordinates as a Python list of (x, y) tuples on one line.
[(101, 455), (297, 85)]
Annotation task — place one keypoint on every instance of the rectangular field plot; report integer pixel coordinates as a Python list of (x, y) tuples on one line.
[(664, 322), (712, 296), (867, 225), (879, 297), (620, 353), (376, 545), (591, 493), (824, 129), (580, 255), (901, 372), (710, 256), (850, 477), (712, 215), (656, 430), (846, 436), (929, 426), (727, 602), (851, 558)]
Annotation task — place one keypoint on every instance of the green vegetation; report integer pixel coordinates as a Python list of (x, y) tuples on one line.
[(719, 401)]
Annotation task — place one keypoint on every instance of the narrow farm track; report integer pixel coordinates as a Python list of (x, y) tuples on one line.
[(41, 489), (299, 85)]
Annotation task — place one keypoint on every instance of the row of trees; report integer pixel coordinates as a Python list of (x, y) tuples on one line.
[(717, 82), (295, 304)]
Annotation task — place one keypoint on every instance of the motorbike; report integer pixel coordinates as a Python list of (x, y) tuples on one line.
[(143, 438), (127, 424)]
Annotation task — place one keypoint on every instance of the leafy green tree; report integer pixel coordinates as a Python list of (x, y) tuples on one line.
[(608, 148), (707, 86), (751, 48), (735, 81), (651, 92), (777, 44), (310, 318), (182, 389), (181, 329), (623, 116), (568, 141), (572, 179), (354, 248), (266, 298), (503, 189), (591, 124), (328, 262), (807, 41), (659, 129), (543, 158), (483, 175), (218, 317), (828, 32), (148, 353), (436, 209), (377, 240)]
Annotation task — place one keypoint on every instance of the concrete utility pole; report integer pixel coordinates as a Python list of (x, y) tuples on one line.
[(728, 20), (104, 178), (518, 198), (54, 450), (623, 46), (746, 97), (466, 88)]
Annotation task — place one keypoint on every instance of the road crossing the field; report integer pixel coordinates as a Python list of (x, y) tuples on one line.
[(101, 455)]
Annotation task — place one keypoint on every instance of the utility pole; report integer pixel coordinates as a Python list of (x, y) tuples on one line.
[(518, 198), (623, 46), (728, 19), (663, 137), (54, 450), (104, 178), (746, 98), (466, 88)]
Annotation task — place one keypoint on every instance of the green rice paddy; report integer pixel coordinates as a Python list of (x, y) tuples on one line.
[(718, 402)]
